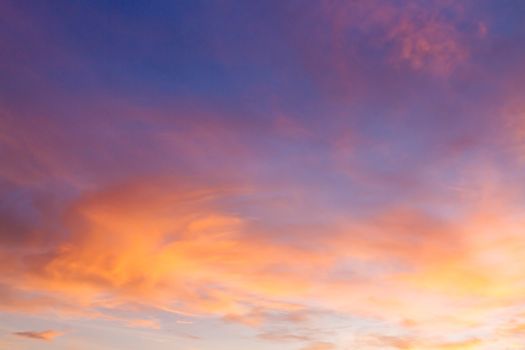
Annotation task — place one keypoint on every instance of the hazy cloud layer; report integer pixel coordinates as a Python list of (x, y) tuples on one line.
[(230, 175)]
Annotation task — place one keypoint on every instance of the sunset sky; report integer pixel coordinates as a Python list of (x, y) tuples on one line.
[(262, 174)]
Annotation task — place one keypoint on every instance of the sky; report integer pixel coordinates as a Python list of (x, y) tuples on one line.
[(277, 174)]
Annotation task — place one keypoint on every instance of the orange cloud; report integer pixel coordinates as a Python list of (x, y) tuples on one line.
[(47, 335), (172, 249), (172, 244)]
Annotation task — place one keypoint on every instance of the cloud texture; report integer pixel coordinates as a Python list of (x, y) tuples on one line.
[(229, 175)]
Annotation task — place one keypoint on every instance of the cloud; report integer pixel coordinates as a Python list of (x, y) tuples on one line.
[(191, 245), (274, 218), (46, 335), (200, 259), (414, 33), (283, 336), (144, 323)]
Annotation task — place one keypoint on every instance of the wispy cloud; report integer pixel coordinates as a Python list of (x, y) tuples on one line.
[(46, 335)]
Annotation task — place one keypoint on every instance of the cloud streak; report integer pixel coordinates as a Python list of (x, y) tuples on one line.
[(46, 335)]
